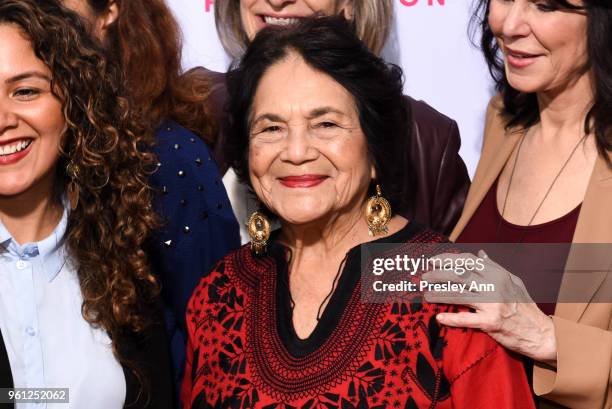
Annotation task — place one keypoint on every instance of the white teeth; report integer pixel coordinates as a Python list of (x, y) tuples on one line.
[(14, 147), (278, 21)]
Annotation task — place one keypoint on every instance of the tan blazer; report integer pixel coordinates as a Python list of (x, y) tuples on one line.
[(583, 376)]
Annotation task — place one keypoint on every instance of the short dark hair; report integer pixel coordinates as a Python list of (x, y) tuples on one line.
[(521, 108), (329, 45)]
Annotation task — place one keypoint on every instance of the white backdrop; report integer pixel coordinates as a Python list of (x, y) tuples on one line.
[(429, 41)]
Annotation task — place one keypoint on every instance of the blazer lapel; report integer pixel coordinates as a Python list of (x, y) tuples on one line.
[(499, 149), (594, 226)]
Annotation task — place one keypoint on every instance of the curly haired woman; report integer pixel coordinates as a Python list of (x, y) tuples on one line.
[(200, 227), (77, 296)]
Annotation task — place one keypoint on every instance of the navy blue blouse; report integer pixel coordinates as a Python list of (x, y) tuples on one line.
[(199, 226)]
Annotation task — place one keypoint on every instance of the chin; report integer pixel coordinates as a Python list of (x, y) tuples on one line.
[(525, 84)]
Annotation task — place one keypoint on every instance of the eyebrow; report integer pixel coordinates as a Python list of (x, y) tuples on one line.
[(315, 113), (26, 75)]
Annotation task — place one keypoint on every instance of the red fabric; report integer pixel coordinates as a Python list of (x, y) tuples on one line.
[(488, 226), (378, 355)]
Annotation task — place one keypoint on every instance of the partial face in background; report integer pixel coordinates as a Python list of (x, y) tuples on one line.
[(308, 158), (31, 119), (544, 48), (257, 14), (98, 21)]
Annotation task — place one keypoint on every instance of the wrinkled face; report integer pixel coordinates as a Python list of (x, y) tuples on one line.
[(544, 48), (308, 158), (257, 14), (31, 119)]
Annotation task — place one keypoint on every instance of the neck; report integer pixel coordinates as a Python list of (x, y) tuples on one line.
[(334, 235), (563, 112), (32, 215)]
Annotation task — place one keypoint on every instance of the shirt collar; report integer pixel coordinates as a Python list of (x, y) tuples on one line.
[(51, 250)]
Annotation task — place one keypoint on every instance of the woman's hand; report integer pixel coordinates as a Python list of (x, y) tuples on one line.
[(509, 315)]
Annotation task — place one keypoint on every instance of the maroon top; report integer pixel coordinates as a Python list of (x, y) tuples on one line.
[(488, 226)]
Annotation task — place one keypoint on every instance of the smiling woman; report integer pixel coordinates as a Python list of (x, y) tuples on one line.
[(435, 191), (77, 297), (316, 120)]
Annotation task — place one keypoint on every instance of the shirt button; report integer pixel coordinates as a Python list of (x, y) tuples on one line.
[(22, 264), (30, 331)]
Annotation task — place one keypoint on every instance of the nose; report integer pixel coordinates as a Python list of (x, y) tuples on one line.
[(8, 118), (299, 148), (515, 22), (279, 4)]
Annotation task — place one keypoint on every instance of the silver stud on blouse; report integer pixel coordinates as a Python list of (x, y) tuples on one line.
[(168, 243), (198, 162), (181, 173), (177, 146), (186, 229)]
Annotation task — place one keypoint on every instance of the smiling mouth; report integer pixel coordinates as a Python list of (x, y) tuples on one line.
[(15, 147), (280, 21)]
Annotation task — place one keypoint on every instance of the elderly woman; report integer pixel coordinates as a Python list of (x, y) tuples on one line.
[(543, 177), (316, 120), (435, 193), (200, 227), (77, 307)]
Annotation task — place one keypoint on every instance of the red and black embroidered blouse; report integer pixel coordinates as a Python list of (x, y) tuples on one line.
[(243, 351)]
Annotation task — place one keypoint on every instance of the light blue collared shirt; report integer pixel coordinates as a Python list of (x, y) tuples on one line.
[(49, 343)]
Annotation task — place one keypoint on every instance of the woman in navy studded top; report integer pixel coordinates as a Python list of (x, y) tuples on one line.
[(200, 226)]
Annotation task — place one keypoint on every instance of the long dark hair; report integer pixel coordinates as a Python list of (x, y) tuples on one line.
[(329, 45), (107, 143), (522, 108)]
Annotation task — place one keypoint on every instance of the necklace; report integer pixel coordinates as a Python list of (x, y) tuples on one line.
[(547, 191)]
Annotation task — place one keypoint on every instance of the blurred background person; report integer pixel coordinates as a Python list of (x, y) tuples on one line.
[(78, 303), (435, 193), (316, 119), (199, 225), (544, 177)]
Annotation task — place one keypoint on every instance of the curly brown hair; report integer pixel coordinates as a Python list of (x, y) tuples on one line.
[(104, 139), (146, 42)]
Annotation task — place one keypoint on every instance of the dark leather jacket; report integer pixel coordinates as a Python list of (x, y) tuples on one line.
[(442, 180)]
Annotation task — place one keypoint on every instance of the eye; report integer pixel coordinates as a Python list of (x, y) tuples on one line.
[(271, 129), (26, 94), (546, 6), (326, 125)]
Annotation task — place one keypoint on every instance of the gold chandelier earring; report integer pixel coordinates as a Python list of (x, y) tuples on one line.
[(377, 213), (259, 231)]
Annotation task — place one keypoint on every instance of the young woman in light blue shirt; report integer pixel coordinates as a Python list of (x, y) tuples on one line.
[(77, 297)]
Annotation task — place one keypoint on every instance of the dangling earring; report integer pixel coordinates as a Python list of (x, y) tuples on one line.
[(259, 231), (377, 213), (73, 189)]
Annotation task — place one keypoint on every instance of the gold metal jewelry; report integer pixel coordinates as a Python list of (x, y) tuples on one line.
[(73, 189), (377, 213), (259, 231)]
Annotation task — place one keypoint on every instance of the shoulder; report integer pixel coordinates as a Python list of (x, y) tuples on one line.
[(239, 269), (177, 146), (428, 119)]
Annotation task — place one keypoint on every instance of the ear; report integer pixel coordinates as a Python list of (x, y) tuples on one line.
[(347, 7), (372, 172), (107, 18)]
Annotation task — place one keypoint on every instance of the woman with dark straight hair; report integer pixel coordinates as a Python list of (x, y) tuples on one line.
[(316, 120), (544, 177), (199, 226)]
